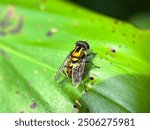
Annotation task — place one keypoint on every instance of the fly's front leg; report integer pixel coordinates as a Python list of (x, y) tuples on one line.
[(90, 59), (88, 62), (92, 53), (84, 87)]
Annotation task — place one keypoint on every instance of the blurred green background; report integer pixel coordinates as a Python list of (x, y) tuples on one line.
[(136, 12)]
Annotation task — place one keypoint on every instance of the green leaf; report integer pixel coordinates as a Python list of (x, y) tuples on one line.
[(36, 37), (142, 20), (127, 93)]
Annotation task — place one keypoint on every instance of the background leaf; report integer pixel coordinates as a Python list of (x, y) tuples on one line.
[(142, 20), (35, 38)]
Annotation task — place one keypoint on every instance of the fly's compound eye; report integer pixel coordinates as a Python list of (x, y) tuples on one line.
[(88, 47), (78, 43), (83, 44)]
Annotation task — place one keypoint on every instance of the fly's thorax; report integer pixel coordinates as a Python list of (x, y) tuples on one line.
[(78, 53)]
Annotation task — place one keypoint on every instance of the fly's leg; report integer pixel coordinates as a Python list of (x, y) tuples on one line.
[(92, 53), (61, 81), (88, 62), (64, 72), (85, 90), (84, 87)]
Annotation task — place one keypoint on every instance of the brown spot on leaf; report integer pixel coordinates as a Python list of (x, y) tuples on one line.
[(4, 54), (10, 11), (75, 106), (11, 23), (113, 50), (17, 92), (51, 32), (2, 33), (91, 78), (6, 20), (75, 109), (4, 23), (33, 105)]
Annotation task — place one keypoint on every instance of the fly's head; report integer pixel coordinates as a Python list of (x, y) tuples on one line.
[(83, 44)]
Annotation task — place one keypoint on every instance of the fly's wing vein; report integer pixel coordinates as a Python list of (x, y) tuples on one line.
[(77, 73), (61, 69)]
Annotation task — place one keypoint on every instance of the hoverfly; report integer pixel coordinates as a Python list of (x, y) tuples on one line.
[(74, 64)]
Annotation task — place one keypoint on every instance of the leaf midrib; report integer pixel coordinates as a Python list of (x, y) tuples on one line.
[(26, 57)]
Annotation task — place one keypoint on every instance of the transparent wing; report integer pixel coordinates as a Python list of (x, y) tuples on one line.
[(61, 69), (77, 72)]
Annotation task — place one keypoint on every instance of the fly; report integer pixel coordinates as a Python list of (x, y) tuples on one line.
[(74, 64)]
